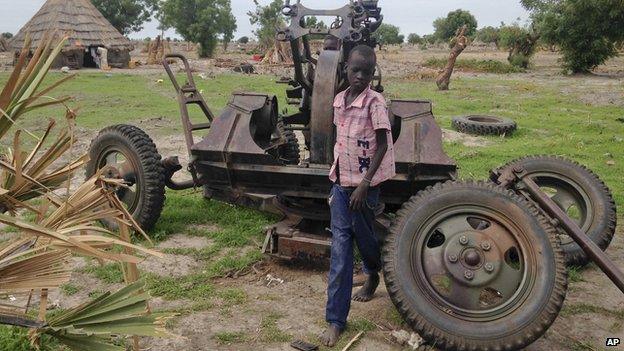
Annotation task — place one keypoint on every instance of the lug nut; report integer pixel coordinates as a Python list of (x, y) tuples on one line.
[(452, 258), (518, 169), (489, 267), (469, 275), (463, 240), (486, 246)]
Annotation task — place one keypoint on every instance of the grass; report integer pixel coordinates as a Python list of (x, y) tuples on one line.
[(70, 289), (16, 339), (269, 331), (571, 310), (474, 65), (110, 273), (228, 338)]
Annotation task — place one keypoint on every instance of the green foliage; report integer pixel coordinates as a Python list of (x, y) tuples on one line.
[(126, 16), (488, 35), (201, 21), (588, 32), (16, 339), (110, 273), (7, 35), (270, 332), (313, 22), (69, 289), (446, 27), (487, 66), (414, 39), (388, 34), (267, 20), (521, 42), (243, 40), (429, 38), (230, 337)]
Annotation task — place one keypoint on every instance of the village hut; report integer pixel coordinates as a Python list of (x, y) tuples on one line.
[(87, 30)]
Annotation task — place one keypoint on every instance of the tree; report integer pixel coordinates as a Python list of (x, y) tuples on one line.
[(446, 28), (488, 35), (127, 16), (7, 35), (388, 34), (460, 42), (267, 19), (588, 32), (313, 22), (243, 40), (521, 43), (430, 38), (414, 39), (201, 21)]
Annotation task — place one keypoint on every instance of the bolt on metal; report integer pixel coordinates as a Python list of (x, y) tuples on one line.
[(469, 275), (453, 258), (486, 246), (488, 267), (463, 240)]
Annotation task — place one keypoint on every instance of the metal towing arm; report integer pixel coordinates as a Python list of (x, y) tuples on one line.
[(517, 179)]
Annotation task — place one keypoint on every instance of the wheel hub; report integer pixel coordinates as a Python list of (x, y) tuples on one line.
[(472, 259)]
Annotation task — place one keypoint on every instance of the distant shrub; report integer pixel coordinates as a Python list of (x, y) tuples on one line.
[(486, 66)]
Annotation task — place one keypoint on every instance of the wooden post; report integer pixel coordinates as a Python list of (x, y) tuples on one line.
[(461, 42), (130, 270)]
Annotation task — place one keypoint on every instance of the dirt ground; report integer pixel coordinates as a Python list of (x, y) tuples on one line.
[(294, 306)]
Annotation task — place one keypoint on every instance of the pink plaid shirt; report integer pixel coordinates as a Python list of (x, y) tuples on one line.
[(356, 142)]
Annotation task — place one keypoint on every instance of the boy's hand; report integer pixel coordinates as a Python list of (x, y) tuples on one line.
[(358, 197)]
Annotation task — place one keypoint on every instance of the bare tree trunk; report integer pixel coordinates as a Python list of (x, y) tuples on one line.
[(461, 42)]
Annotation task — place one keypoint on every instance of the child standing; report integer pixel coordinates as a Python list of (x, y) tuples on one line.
[(364, 158)]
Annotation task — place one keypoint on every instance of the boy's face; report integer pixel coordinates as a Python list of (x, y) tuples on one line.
[(360, 71)]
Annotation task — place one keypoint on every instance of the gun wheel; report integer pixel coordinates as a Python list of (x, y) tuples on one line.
[(133, 153), (472, 266)]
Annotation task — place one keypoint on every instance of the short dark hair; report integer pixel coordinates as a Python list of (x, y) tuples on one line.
[(365, 51)]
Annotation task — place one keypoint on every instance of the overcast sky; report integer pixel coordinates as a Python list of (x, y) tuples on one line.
[(412, 16)]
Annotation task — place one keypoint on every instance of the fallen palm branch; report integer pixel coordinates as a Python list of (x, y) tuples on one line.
[(38, 258), (92, 326)]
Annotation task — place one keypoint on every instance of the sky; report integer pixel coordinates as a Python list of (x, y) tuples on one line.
[(411, 16)]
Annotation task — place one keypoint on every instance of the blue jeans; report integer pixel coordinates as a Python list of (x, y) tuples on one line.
[(347, 226)]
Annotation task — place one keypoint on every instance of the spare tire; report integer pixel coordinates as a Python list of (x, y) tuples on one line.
[(578, 192), (484, 125), (473, 266)]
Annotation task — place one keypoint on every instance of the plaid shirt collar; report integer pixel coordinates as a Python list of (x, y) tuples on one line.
[(359, 102)]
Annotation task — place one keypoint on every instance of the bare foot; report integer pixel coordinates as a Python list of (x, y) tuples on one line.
[(359, 279), (330, 337), (367, 292)]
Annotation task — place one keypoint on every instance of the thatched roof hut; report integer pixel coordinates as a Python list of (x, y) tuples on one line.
[(86, 28)]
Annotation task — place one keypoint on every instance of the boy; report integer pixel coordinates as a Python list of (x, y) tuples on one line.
[(364, 158)]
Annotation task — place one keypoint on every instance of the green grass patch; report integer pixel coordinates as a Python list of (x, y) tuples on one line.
[(575, 274), (269, 331), (194, 286), (69, 289), (109, 273), (227, 338), (233, 263), (571, 310), (474, 65), (16, 339), (233, 296)]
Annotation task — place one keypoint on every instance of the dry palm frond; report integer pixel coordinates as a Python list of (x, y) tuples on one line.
[(21, 93), (91, 326), (34, 269)]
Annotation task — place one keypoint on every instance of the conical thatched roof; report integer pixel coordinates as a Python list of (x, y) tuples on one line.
[(78, 19)]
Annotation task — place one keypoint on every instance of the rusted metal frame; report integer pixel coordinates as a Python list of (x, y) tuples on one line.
[(298, 62), (321, 119), (299, 12), (572, 229)]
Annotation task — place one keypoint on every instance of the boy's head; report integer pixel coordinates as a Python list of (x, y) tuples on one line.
[(361, 67)]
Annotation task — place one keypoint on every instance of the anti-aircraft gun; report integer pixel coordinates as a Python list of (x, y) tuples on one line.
[(469, 265)]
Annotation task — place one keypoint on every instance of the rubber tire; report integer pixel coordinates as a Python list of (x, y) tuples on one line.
[(290, 152), (468, 125), (604, 217), (441, 327), (138, 145)]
